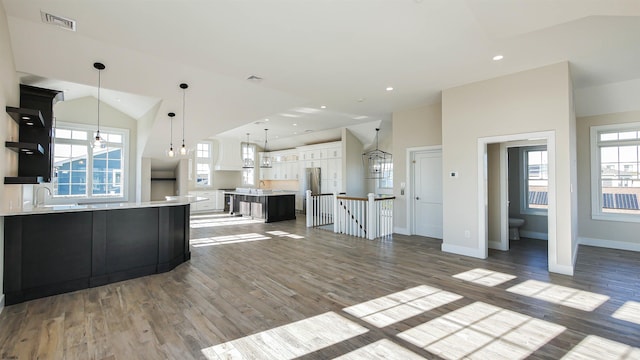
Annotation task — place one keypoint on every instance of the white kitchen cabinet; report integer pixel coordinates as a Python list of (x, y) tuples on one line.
[(214, 202)]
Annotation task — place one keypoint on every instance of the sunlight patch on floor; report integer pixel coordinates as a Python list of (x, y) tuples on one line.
[(227, 239), (562, 295), (630, 311), (285, 234), (226, 220), (595, 347), (289, 341), (484, 277), (402, 305), (482, 331), (381, 349)]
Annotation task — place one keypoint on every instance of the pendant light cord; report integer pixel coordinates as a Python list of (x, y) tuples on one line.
[(99, 86), (184, 91)]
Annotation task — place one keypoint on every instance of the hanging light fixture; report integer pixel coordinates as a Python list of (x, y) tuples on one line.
[(265, 162), (247, 162), (171, 153), (98, 142), (377, 163), (183, 149)]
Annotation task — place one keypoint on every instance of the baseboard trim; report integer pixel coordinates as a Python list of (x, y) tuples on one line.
[(401, 231), (611, 244), (534, 235), (497, 245), (463, 250), (561, 269)]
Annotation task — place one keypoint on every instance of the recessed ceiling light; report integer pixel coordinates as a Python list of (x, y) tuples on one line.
[(118, 99), (295, 133), (323, 107), (26, 117), (389, 88), (295, 124), (498, 57), (361, 99), (266, 119)]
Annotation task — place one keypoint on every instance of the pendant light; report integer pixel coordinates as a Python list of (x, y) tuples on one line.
[(266, 159), (247, 162), (98, 142), (377, 163), (183, 150), (171, 153)]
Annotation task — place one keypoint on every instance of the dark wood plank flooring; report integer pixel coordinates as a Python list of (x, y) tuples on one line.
[(233, 287)]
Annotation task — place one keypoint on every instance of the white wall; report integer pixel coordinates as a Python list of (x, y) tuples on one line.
[(9, 96), (411, 128), (615, 234), (530, 101), (143, 170), (352, 169), (83, 111)]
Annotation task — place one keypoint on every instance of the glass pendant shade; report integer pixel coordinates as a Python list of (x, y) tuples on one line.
[(183, 149), (98, 142), (265, 162), (377, 163), (170, 152)]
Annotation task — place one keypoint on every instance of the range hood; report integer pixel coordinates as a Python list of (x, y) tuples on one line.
[(229, 155)]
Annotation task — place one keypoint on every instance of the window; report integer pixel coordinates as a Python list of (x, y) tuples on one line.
[(203, 164), (615, 162), (385, 184), (248, 174), (80, 171), (535, 184)]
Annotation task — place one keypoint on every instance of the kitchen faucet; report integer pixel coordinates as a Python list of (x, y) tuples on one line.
[(35, 201)]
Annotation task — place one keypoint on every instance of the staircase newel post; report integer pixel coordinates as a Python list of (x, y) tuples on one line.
[(371, 221), (309, 211), (336, 217)]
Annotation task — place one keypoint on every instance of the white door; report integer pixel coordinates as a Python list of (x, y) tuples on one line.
[(427, 193)]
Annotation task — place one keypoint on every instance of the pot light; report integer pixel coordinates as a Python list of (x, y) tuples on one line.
[(389, 88), (266, 119), (323, 107), (295, 124), (498, 57)]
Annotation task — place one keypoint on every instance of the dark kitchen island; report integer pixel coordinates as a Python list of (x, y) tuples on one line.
[(62, 248), (270, 206)]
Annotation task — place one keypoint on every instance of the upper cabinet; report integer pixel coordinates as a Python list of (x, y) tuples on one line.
[(34, 146)]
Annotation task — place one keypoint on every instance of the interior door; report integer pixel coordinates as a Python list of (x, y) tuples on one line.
[(427, 193)]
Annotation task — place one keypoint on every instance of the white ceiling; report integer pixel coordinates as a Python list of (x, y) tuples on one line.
[(341, 54)]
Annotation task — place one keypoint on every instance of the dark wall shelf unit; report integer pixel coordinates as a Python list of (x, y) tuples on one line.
[(34, 147), (26, 148), (26, 117)]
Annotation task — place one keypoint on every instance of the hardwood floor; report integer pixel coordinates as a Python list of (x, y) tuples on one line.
[(280, 290)]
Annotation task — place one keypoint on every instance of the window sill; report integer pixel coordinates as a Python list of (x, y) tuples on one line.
[(629, 218), (530, 212)]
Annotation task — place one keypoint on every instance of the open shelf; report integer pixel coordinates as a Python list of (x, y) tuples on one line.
[(25, 148), (23, 179), (26, 117)]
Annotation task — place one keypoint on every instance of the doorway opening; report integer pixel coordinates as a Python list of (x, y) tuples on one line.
[(527, 184), (495, 204)]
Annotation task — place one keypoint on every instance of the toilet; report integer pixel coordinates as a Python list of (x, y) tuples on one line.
[(514, 225)]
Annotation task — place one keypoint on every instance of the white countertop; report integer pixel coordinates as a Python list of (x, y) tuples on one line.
[(275, 193), (52, 209)]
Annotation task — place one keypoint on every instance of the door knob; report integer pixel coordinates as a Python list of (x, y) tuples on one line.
[(417, 198)]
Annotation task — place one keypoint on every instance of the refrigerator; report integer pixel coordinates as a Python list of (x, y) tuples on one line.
[(311, 182)]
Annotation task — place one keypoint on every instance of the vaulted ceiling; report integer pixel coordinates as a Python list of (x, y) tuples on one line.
[(309, 53)]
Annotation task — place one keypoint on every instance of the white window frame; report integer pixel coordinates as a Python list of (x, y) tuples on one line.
[(249, 173), (524, 180), (89, 198), (596, 183), (204, 160)]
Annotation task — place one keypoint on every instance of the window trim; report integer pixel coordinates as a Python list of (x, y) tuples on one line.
[(88, 198), (596, 183), (252, 170), (524, 180), (206, 161)]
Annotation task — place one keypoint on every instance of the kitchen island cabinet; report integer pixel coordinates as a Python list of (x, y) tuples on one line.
[(64, 248), (276, 206)]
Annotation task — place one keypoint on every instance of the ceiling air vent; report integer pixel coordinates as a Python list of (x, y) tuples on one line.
[(58, 21), (254, 78)]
